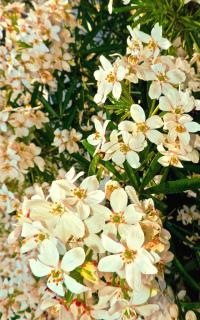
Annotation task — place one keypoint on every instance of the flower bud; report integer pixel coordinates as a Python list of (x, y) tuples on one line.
[(190, 315)]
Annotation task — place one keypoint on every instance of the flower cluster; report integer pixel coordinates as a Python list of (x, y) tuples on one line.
[(170, 85), (98, 247), (67, 140), (17, 155), (189, 215), (20, 292), (34, 43)]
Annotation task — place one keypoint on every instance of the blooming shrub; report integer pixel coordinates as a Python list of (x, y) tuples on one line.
[(99, 153)]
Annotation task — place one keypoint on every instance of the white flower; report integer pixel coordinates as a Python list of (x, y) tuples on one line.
[(156, 39), (179, 127), (188, 214), (34, 233), (128, 260), (62, 222), (120, 151), (109, 78), (118, 219), (98, 138), (172, 156), (3, 119), (142, 127), (84, 197), (177, 102), (162, 79), (110, 6), (6, 198), (48, 264)]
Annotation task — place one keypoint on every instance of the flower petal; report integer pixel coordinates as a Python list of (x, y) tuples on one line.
[(118, 200), (111, 245), (135, 237), (155, 136), (39, 269), (155, 90), (73, 285), (133, 159), (105, 63), (147, 310), (117, 90), (137, 113), (48, 253), (56, 287), (132, 216), (154, 122), (111, 263), (73, 259)]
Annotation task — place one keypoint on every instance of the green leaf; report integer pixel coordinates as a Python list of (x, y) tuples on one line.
[(112, 169), (90, 149), (187, 278), (190, 305), (152, 171), (93, 165), (132, 175), (47, 105), (178, 186)]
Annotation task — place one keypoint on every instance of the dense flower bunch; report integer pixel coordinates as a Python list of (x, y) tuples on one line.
[(34, 43), (16, 156), (96, 245), (88, 243), (172, 81)]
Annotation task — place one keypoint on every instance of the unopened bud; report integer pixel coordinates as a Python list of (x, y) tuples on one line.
[(110, 187), (174, 311), (190, 315)]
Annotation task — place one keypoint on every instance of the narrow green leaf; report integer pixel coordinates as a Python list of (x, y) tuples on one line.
[(93, 165), (132, 176), (152, 171), (112, 169), (90, 149), (190, 305), (47, 105), (178, 186), (188, 279)]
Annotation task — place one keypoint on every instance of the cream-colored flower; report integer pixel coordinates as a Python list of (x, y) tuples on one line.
[(126, 149), (97, 139), (109, 77), (128, 260), (48, 264), (62, 221), (142, 128), (82, 197)]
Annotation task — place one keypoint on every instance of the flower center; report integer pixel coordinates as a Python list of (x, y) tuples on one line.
[(56, 276), (111, 77), (142, 127), (133, 59), (128, 255), (180, 128), (117, 217), (40, 237), (57, 209), (4, 197), (161, 76), (152, 44), (178, 110), (129, 314), (97, 135), (124, 148), (174, 160), (80, 193)]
